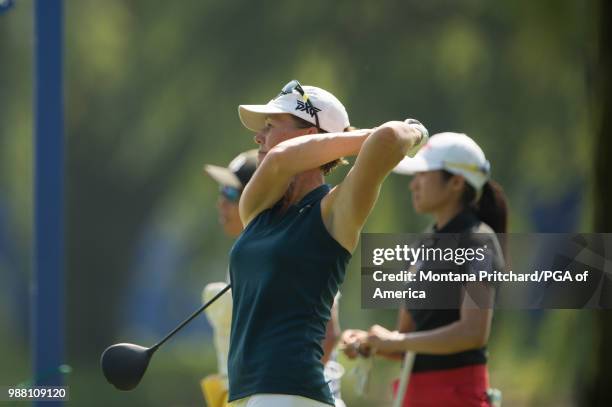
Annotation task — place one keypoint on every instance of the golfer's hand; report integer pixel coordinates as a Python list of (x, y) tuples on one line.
[(383, 340), (423, 135), (417, 125), (351, 341)]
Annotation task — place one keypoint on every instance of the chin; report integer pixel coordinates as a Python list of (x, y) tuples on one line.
[(418, 208), (232, 231)]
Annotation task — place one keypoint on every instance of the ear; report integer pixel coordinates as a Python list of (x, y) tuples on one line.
[(312, 130), (457, 183)]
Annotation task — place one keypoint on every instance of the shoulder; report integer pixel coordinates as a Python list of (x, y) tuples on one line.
[(479, 234), (481, 227), (482, 235)]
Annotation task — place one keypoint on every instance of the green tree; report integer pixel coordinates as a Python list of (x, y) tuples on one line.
[(598, 394)]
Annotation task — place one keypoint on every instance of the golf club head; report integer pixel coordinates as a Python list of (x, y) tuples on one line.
[(124, 364)]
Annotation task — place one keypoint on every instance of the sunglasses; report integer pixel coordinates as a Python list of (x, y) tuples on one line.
[(232, 194), (305, 104)]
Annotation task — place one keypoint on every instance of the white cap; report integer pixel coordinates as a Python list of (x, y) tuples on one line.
[(453, 152), (332, 115)]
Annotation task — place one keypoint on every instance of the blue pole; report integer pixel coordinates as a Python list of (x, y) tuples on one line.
[(48, 278)]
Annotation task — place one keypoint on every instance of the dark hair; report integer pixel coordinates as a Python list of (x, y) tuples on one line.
[(491, 208), (330, 166)]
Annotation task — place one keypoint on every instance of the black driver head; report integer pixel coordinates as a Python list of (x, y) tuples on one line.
[(124, 364)]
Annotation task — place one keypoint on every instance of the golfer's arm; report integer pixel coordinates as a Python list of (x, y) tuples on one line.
[(311, 151), (289, 158), (405, 324), (471, 331), (348, 205)]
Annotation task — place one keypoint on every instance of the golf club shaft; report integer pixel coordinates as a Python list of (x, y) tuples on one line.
[(404, 379), (195, 314)]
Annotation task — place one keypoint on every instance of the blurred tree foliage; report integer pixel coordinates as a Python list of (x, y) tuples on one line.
[(152, 93), (152, 88), (598, 393)]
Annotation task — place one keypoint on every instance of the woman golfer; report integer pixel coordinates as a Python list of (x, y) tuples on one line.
[(232, 180), (288, 263), (451, 183)]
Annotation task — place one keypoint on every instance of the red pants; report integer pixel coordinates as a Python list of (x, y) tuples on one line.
[(461, 387)]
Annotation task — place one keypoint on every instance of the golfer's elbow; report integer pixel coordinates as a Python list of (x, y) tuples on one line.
[(391, 140), (284, 159), (275, 161)]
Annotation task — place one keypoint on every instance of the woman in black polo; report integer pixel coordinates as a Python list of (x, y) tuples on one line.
[(288, 263), (451, 183)]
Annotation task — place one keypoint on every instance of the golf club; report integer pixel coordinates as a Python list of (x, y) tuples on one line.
[(404, 379), (124, 364)]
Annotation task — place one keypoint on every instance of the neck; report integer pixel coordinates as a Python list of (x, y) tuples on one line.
[(446, 213), (301, 185)]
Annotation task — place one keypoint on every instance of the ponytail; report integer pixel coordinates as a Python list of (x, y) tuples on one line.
[(492, 207)]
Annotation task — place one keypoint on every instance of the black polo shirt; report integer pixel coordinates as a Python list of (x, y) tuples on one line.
[(467, 225)]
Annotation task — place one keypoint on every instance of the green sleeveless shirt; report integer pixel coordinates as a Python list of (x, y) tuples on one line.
[(285, 271)]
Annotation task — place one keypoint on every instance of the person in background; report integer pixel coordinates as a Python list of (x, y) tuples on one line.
[(231, 180), (451, 182)]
